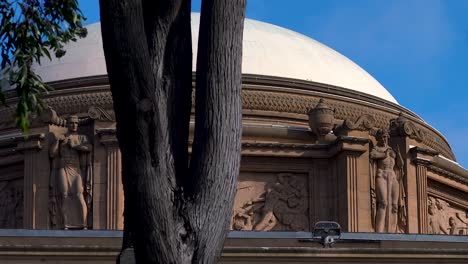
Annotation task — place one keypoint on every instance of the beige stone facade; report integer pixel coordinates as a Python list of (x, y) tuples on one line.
[(361, 161)]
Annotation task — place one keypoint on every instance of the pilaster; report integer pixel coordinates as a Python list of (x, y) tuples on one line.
[(421, 179), (421, 158), (353, 185), (114, 188), (36, 175)]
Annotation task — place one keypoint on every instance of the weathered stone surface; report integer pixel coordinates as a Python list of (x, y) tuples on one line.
[(271, 202)]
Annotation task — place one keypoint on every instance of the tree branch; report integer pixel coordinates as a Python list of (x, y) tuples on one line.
[(167, 25), (144, 131)]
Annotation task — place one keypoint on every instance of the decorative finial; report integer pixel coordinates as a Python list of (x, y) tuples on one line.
[(321, 120)]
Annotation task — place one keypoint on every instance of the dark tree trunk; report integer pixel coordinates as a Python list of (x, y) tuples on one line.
[(218, 120), (175, 213)]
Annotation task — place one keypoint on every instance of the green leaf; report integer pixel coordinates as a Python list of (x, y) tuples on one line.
[(30, 30), (46, 52), (23, 124), (24, 75)]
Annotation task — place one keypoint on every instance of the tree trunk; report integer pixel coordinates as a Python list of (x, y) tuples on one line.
[(175, 213)]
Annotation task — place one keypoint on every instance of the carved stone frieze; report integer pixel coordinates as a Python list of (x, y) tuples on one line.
[(401, 126), (363, 123), (271, 202), (294, 103), (300, 104), (443, 218), (97, 113)]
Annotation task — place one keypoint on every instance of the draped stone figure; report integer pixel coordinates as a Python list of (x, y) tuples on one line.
[(389, 205), (71, 172)]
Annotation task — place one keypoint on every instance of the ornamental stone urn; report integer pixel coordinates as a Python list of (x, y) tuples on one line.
[(322, 121)]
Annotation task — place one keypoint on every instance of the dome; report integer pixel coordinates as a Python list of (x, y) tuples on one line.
[(268, 50)]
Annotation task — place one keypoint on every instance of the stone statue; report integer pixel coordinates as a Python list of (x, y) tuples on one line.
[(70, 172), (390, 214)]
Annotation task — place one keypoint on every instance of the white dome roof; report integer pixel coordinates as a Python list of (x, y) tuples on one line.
[(268, 50)]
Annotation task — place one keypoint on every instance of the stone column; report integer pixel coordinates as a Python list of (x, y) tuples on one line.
[(114, 188), (36, 178)]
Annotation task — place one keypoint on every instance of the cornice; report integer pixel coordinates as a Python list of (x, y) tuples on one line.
[(15, 143), (342, 143), (430, 159), (447, 174), (448, 193), (422, 156), (279, 96), (107, 136)]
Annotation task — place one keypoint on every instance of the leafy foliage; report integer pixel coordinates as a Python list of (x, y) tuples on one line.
[(30, 30)]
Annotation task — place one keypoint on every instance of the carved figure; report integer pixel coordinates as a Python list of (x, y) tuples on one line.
[(268, 220), (445, 219), (437, 223), (243, 218), (390, 214), (70, 167), (453, 225), (283, 203)]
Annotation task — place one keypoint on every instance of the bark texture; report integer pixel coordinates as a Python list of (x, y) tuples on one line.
[(176, 211)]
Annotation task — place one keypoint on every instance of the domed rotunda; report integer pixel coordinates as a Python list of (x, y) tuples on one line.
[(322, 141)]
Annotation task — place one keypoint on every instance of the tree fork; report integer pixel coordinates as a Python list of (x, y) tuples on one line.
[(175, 214)]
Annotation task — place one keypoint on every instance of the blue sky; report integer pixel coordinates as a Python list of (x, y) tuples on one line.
[(417, 49)]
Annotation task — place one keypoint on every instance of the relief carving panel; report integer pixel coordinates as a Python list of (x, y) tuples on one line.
[(446, 219), (271, 202)]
